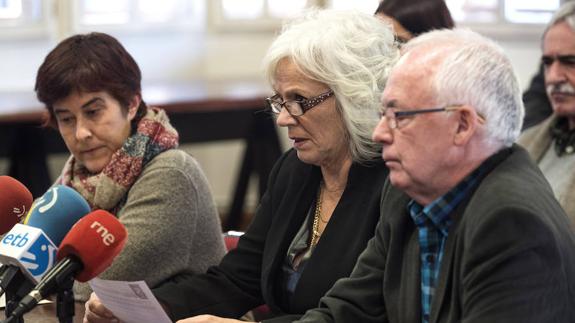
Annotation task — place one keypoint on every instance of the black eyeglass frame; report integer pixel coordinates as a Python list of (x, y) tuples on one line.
[(392, 119), (303, 106)]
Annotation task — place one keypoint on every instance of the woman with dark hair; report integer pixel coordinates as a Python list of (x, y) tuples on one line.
[(124, 159), (413, 17)]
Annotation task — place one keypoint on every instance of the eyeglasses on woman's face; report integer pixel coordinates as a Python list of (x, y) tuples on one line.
[(296, 107)]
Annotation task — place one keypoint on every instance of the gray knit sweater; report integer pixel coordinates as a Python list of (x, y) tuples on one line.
[(172, 223)]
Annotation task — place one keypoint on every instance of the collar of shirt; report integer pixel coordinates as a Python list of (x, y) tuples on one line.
[(438, 212)]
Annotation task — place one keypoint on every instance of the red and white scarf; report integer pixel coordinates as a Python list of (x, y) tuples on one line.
[(107, 189)]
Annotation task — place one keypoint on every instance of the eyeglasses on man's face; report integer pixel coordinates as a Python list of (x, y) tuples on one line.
[(395, 117), (296, 107)]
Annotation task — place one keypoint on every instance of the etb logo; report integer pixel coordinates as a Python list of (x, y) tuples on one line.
[(30, 248), (39, 257)]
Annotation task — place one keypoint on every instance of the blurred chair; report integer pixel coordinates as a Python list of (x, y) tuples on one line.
[(231, 239)]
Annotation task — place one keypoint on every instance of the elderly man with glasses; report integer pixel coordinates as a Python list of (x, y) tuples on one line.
[(470, 230)]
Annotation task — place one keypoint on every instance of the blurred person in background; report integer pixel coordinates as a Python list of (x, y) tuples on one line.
[(537, 105), (124, 159), (551, 143), (413, 17)]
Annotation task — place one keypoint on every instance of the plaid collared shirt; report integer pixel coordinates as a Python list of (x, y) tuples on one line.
[(433, 222)]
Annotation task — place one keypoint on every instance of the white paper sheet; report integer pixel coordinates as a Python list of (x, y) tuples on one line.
[(131, 302)]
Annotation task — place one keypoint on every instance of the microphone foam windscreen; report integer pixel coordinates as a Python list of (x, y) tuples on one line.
[(57, 211), (15, 201), (96, 240)]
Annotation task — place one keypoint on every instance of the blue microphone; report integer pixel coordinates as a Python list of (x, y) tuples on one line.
[(32, 246), (57, 211), (29, 250)]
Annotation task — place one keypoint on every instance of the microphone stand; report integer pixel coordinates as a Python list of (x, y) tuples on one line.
[(65, 301), (19, 287), (11, 303)]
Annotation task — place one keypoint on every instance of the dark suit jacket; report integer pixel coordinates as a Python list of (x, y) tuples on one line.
[(536, 101), (248, 275), (509, 257)]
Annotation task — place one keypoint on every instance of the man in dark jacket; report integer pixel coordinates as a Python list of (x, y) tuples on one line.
[(470, 229)]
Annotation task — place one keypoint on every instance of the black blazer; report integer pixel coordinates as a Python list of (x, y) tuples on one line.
[(509, 257), (249, 275)]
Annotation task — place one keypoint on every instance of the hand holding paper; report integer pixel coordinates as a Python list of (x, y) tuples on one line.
[(131, 302)]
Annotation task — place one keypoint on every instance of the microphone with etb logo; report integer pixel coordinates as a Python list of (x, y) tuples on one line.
[(32, 246), (86, 251), (30, 249)]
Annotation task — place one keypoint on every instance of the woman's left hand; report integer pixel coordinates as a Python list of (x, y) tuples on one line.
[(208, 319)]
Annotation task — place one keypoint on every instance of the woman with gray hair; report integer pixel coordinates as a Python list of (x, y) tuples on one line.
[(328, 69)]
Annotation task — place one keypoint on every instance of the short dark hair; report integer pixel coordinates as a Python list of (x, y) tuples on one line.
[(417, 16), (89, 63)]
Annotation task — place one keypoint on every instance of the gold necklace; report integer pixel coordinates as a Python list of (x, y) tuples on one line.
[(316, 218), (322, 188)]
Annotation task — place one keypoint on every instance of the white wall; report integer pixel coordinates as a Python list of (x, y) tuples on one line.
[(210, 56), (525, 57)]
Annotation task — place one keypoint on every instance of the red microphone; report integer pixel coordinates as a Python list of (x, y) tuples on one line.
[(86, 251), (95, 240), (15, 201)]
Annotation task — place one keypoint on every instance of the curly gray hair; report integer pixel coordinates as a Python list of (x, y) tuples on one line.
[(352, 53)]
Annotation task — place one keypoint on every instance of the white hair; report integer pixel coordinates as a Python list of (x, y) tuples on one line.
[(352, 53), (565, 13), (475, 70)]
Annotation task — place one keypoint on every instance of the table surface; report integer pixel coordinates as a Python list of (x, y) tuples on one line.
[(46, 313)]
